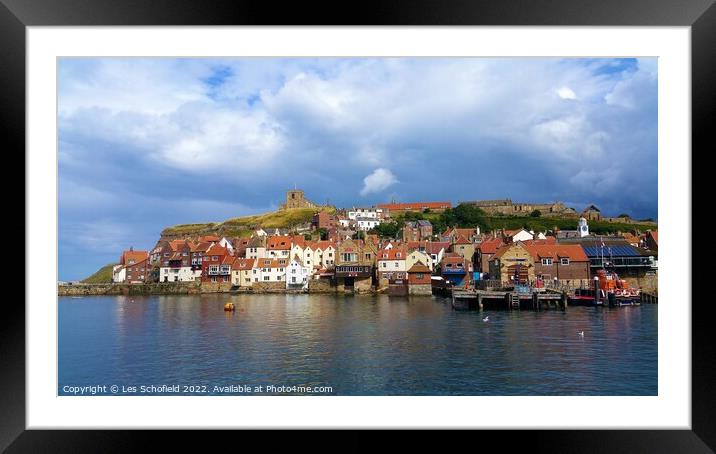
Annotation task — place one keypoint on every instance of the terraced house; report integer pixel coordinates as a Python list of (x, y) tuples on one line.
[(354, 265), (269, 270), (133, 267), (216, 265)]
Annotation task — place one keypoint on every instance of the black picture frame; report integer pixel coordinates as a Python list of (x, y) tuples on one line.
[(700, 15)]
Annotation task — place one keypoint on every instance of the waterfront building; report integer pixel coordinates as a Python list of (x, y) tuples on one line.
[(197, 251), (419, 279), (392, 263), (216, 265), (512, 264), (614, 252), (241, 270), (354, 265), (456, 269), (416, 256), (297, 274), (565, 263), (134, 267), (269, 270), (324, 254), (177, 267)]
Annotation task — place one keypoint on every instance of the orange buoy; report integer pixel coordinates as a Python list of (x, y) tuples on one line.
[(229, 307)]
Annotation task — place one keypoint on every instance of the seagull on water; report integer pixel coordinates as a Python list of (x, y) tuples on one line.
[(486, 319), (581, 333)]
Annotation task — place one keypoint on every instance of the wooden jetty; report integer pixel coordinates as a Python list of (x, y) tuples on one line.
[(649, 298), (466, 299)]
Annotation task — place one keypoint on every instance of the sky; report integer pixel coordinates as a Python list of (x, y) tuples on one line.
[(145, 143)]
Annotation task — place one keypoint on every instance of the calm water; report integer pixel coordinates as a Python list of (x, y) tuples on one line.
[(362, 345)]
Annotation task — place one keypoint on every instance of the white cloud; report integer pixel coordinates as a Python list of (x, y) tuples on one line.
[(566, 93), (378, 181)]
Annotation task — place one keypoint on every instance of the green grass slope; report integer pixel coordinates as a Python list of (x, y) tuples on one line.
[(101, 276), (243, 226)]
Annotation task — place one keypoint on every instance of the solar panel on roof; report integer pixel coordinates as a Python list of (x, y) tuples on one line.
[(619, 251)]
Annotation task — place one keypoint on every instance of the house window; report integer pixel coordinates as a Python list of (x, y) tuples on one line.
[(419, 275), (385, 265), (564, 262), (266, 278), (546, 261)]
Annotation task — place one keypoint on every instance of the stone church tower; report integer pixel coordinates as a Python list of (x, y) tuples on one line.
[(295, 198)]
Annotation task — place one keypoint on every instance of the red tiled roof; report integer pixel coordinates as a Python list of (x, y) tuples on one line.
[(242, 264), (392, 254), (490, 246), (573, 252), (462, 240), (216, 249), (418, 267), (434, 247), (453, 259), (137, 256), (278, 243), (271, 263), (655, 235)]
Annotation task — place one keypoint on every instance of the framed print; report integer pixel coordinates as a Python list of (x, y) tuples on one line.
[(425, 218)]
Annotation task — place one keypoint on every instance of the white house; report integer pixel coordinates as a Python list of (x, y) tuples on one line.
[(278, 247), (119, 273), (324, 254), (178, 274), (269, 270), (366, 223), (297, 274), (356, 213), (419, 256), (391, 262)]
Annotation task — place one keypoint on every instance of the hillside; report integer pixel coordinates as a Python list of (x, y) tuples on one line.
[(101, 276), (243, 226)]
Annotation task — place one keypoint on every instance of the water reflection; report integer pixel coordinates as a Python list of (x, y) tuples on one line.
[(359, 345)]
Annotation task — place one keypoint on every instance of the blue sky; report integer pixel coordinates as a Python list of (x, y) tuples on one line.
[(146, 143)]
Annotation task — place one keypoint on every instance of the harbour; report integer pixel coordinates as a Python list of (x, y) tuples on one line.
[(354, 345)]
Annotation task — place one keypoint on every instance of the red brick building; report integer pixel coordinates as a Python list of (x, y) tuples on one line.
[(216, 265)]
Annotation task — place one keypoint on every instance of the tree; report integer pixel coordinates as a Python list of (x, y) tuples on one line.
[(536, 214), (322, 233), (360, 235), (386, 229), (307, 237)]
